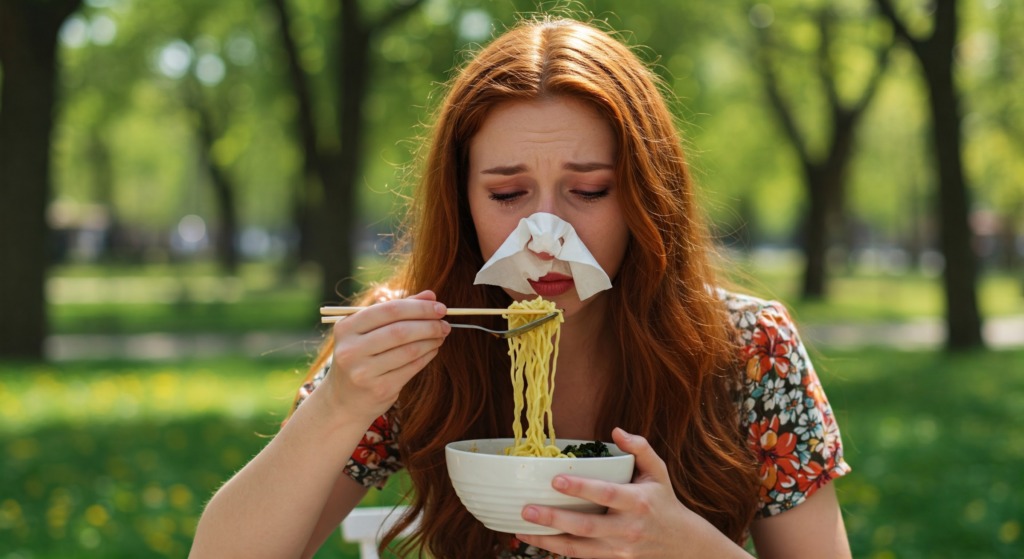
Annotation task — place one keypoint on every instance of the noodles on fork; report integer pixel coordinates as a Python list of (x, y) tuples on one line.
[(534, 355)]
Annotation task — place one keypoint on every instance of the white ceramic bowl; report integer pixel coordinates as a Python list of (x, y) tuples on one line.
[(495, 487)]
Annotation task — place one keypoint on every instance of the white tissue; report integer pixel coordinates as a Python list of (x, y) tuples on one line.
[(515, 261)]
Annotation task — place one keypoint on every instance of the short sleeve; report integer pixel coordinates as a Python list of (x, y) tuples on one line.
[(787, 419), (376, 457)]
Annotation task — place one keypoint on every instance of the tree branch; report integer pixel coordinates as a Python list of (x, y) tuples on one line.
[(395, 14), (825, 64), (882, 58), (887, 9), (775, 97), (300, 86)]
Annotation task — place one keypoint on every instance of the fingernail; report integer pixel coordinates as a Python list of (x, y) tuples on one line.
[(560, 483), (624, 434), (530, 514), (445, 328), (440, 309)]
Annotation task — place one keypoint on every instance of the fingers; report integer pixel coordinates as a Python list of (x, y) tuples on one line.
[(379, 349), (391, 326), (585, 534), (576, 523), (639, 514), (421, 306), (565, 545), (416, 341), (648, 463), (615, 496)]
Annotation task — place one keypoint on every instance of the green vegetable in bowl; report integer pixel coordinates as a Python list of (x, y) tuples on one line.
[(587, 450)]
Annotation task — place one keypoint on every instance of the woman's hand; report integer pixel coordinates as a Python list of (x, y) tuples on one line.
[(644, 517), (378, 349)]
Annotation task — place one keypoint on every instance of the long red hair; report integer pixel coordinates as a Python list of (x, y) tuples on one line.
[(679, 387)]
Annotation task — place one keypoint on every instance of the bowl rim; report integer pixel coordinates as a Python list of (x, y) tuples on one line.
[(617, 453)]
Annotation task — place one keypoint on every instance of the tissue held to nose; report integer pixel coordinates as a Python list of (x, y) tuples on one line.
[(544, 247)]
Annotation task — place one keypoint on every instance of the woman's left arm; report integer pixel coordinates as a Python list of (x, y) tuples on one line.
[(813, 529), (644, 517)]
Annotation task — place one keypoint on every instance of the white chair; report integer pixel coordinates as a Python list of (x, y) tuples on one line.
[(365, 526)]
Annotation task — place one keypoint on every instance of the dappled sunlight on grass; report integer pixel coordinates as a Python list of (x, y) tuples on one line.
[(36, 395), (117, 459), (937, 444), (196, 297), (866, 297)]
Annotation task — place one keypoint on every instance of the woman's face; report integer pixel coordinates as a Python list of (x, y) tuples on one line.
[(555, 156)]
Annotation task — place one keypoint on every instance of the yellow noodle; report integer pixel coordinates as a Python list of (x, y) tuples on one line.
[(534, 355)]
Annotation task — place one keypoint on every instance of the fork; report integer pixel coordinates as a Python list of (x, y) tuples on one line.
[(511, 333), (333, 314)]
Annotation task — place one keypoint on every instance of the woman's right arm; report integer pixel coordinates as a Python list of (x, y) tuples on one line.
[(283, 501)]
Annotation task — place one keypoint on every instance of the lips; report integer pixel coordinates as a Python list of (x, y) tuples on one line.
[(552, 284)]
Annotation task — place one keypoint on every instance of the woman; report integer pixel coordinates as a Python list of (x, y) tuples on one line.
[(712, 392)]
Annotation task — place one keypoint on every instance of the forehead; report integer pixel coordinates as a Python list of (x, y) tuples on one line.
[(561, 124)]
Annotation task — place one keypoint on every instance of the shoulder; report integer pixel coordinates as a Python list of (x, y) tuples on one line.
[(766, 335), (748, 314), (784, 413)]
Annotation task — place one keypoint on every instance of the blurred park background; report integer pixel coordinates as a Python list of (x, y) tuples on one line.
[(183, 183)]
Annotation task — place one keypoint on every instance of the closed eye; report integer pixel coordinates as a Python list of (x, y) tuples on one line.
[(505, 197), (592, 195)]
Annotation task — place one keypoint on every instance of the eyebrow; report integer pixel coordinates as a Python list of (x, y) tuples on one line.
[(587, 167), (511, 170)]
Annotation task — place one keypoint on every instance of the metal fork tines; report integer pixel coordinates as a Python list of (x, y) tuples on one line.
[(505, 334)]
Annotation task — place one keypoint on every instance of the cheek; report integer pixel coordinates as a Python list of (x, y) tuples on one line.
[(490, 234), (608, 245)]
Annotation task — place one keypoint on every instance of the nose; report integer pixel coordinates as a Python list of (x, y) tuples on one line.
[(546, 245), (548, 201)]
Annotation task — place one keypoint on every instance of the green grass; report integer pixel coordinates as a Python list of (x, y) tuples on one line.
[(194, 298), (937, 446), (864, 296), (116, 459), (184, 298)]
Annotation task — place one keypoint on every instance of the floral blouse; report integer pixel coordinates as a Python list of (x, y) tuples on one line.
[(782, 409)]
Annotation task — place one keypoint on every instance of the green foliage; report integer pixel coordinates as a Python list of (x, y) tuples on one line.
[(125, 136)]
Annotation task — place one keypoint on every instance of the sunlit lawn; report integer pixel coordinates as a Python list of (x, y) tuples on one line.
[(194, 298), (116, 459), (870, 295), (191, 297)]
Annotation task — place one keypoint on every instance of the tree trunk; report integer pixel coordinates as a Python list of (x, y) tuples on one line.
[(339, 219), (816, 236), (102, 172), (308, 189), (223, 190), (338, 172), (960, 277), (935, 53), (28, 54), (826, 190), (824, 177)]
